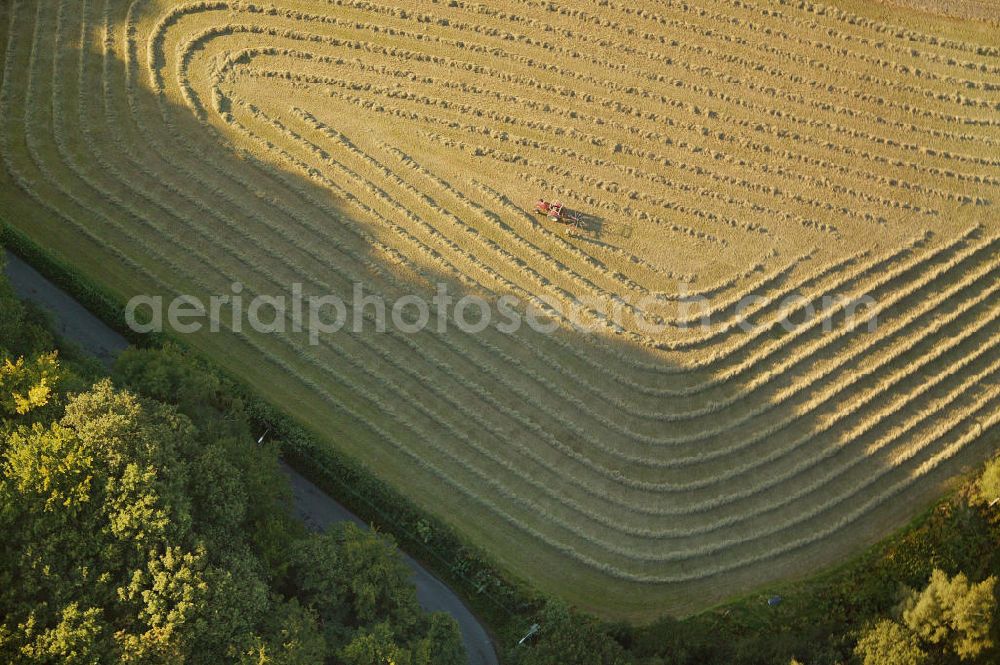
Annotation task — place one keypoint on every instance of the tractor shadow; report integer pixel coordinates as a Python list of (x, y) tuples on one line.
[(598, 231), (591, 225)]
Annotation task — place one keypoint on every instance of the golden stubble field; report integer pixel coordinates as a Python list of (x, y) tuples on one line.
[(984, 10), (786, 150)]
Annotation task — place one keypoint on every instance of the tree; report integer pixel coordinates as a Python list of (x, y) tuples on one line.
[(78, 638), (171, 607), (988, 486), (888, 643), (168, 375), (290, 637), (442, 644), (24, 329), (953, 613), (28, 384), (234, 484), (360, 589), (378, 645)]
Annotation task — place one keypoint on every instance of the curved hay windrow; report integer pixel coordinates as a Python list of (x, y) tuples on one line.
[(806, 155)]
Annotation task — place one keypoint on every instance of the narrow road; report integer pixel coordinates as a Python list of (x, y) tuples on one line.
[(319, 510), (311, 505)]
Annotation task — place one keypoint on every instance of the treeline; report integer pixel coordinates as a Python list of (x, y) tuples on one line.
[(141, 523)]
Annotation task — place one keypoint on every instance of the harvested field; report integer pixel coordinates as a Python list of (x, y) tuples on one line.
[(797, 152), (981, 10)]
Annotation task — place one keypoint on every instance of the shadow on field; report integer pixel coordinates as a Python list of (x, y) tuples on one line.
[(592, 466)]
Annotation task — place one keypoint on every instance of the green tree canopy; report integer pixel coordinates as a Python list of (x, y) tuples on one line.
[(143, 524), (988, 486), (366, 605), (953, 613), (28, 384), (888, 643)]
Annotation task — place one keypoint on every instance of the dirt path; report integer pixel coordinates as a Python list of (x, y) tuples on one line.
[(311, 505)]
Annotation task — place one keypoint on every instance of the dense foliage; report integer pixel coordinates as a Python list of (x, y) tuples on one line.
[(142, 524), (946, 622)]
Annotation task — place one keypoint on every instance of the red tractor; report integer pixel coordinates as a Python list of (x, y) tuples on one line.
[(558, 213)]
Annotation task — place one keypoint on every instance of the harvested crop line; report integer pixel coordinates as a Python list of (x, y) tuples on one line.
[(783, 236)]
